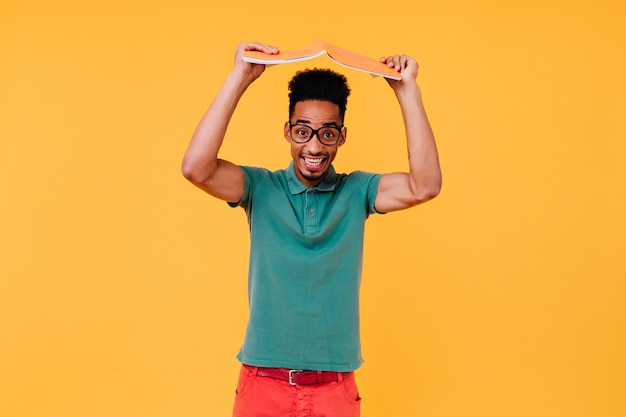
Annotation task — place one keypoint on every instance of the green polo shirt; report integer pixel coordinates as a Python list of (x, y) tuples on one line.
[(306, 255)]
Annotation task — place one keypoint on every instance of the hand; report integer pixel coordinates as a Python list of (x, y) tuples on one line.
[(253, 71), (407, 67)]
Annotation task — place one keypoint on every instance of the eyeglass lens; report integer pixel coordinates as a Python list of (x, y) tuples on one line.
[(328, 135)]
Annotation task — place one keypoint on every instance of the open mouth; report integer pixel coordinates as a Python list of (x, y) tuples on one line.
[(313, 162)]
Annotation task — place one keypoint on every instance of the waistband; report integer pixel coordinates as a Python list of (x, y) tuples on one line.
[(298, 376)]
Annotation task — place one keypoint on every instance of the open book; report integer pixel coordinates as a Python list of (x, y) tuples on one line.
[(317, 48)]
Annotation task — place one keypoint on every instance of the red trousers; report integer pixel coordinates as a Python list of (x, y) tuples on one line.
[(259, 396)]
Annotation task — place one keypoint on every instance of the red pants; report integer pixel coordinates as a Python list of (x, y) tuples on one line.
[(259, 396)]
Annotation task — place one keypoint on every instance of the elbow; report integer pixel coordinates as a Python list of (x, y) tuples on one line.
[(426, 193), (188, 171), (193, 172)]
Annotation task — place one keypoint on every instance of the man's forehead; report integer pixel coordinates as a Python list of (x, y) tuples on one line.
[(316, 110)]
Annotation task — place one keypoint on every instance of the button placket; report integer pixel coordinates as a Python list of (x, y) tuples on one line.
[(310, 212)]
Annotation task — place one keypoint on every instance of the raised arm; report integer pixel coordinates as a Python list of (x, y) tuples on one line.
[(401, 190), (201, 164)]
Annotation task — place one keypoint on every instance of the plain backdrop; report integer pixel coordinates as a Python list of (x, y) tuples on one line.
[(123, 287)]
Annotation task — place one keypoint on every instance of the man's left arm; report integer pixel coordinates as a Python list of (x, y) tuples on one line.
[(400, 190)]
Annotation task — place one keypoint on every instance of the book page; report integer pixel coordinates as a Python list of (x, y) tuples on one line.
[(312, 50), (359, 62), (339, 55)]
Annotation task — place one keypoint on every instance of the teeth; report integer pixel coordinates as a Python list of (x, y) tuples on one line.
[(312, 161)]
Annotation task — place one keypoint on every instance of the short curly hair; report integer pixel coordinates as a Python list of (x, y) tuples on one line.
[(319, 84)]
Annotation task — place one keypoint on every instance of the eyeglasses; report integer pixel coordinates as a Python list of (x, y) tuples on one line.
[(327, 135)]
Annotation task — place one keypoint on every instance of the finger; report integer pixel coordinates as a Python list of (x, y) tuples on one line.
[(388, 60), (257, 46), (404, 61), (397, 62), (412, 61)]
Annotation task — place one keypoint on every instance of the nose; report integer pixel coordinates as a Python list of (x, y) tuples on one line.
[(315, 145)]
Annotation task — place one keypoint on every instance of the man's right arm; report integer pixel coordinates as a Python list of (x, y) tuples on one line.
[(201, 164)]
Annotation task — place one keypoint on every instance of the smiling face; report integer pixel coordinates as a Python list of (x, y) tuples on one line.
[(313, 159)]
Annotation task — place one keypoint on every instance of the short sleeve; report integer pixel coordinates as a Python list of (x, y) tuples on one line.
[(248, 175), (369, 182)]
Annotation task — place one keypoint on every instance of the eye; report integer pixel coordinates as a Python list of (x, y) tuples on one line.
[(302, 132), (329, 133)]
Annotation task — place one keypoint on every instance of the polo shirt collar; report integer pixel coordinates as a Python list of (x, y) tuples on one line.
[(296, 187)]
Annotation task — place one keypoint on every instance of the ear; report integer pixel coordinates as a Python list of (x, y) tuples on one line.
[(286, 132), (344, 135)]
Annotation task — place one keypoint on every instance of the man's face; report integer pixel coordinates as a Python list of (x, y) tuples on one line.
[(313, 159)]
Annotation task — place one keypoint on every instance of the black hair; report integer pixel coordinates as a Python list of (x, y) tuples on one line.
[(319, 84)]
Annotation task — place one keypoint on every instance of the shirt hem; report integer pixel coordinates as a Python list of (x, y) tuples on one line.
[(301, 366)]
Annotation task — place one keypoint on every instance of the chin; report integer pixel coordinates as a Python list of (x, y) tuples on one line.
[(317, 174)]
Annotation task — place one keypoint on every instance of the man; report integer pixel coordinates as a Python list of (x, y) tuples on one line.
[(306, 222)]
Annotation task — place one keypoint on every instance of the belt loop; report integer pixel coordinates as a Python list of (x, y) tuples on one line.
[(255, 370), (320, 377), (339, 377)]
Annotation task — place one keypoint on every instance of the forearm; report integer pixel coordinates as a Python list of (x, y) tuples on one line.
[(424, 170), (201, 158)]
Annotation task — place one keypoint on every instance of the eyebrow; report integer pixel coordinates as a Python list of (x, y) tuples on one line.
[(306, 122)]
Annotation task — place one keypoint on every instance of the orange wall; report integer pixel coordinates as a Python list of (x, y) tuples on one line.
[(122, 287)]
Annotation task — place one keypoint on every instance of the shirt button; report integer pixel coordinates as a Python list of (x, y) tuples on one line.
[(311, 192), (311, 211)]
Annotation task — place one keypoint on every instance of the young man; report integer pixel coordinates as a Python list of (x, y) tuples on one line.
[(306, 222)]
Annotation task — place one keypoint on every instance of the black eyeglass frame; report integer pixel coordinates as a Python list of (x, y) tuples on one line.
[(315, 132)]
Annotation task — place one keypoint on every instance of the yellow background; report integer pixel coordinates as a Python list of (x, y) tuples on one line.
[(122, 289)]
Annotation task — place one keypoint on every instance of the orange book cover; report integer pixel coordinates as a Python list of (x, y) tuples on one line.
[(317, 48)]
